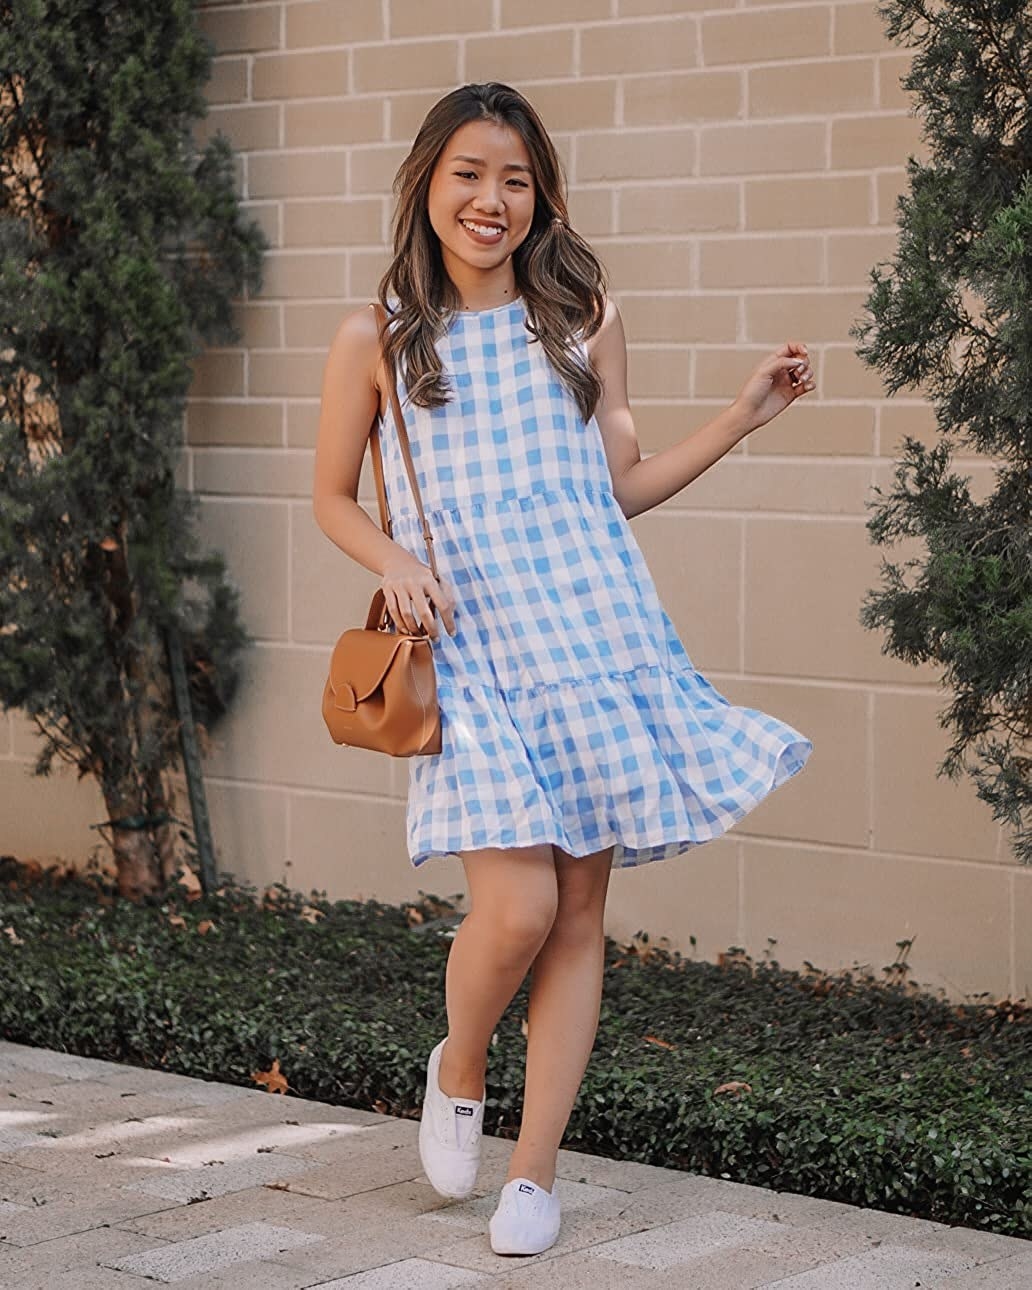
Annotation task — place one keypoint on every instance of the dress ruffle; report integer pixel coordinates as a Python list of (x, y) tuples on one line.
[(655, 761)]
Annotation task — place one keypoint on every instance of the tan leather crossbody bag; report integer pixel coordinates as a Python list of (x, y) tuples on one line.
[(381, 692)]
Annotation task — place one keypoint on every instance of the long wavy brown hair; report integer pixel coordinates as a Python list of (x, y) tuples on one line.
[(563, 284)]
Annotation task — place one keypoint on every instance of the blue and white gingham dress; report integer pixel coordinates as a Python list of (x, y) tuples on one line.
[(570, 710)]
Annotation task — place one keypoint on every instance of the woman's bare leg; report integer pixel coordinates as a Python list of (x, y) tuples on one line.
[(514, 897), (565, 1000)]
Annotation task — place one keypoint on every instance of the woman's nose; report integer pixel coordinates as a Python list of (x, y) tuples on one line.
[(489, 200)]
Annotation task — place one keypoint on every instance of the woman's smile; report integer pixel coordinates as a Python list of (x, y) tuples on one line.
[(484, 234)]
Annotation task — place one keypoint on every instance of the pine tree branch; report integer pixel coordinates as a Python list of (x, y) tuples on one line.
[(1020, 83), (33, 191)]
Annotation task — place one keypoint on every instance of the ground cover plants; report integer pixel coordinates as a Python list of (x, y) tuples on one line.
[(856, 1087)]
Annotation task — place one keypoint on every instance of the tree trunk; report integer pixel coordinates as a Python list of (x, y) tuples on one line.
[(136, 859)]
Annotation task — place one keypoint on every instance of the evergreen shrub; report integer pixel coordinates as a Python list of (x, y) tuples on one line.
[(843, 1087)]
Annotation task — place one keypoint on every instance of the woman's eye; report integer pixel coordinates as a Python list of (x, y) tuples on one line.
[(463, 174)]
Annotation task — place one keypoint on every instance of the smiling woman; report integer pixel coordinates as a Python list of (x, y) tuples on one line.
[(576, 734)]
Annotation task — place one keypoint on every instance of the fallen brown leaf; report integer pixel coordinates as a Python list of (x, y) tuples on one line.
[(272, 1079), (13, 936), (733, 1086), (655, 1039), (205, 926), (190, 883), (176, 920)]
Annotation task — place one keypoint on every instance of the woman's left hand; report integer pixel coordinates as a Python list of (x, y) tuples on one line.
[(779, 380)]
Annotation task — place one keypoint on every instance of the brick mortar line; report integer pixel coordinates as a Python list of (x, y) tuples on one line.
[(300, 499), (736, 235), (672, 347), (879, 854), (641, 400)]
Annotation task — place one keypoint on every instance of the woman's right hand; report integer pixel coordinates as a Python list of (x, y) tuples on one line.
[(409, 586)]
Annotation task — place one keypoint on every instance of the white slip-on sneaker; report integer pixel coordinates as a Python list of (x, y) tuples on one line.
[(527, 1218), (449, 1135)]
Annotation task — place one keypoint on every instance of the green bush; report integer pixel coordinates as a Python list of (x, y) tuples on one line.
[(839, 1087)]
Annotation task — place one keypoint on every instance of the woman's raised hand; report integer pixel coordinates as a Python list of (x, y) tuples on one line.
[(409, 586), (780, 379)]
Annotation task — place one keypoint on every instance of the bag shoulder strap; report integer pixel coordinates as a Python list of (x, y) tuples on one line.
[(375, 451)]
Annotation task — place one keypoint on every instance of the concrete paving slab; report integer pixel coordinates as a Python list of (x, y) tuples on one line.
[(13, 1139), (625, 1175), (30, 1186), (591, 1215), (886, 1228), (15, 1059), (566, 1272), (1011, 1273), (86, 1170), (681, 1194), (401, 1203), (246, 1101), (367, 1172), (61, 1118), (188, 1185), (888, 1267), (21, 1083), (95, 1093), (83, 1253), (248, 1139), (304, 1195), (257, 1274), (245, 1243), (983, 1247), (345, 1141), (48, 1069), (87, 1212), (404, 1275), (255, 1205), (102, 1132), (683, 1243), (200, 1092), (98, 1278), (360, 1247)]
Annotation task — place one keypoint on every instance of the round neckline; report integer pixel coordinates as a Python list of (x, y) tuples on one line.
[(478, 313)]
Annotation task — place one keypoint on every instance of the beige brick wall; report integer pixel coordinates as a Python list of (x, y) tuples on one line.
[(736, 167)]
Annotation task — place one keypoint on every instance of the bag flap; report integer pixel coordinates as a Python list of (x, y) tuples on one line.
[(361, 658)]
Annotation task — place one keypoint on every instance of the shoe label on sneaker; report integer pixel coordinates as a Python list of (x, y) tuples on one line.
[(528, 1189)]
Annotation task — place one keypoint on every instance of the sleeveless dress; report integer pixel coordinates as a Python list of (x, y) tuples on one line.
[(570, 710)]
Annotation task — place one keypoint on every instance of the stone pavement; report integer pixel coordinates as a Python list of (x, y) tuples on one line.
[(115, 1178)]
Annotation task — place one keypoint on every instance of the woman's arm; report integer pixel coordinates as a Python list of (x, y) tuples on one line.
[(639, 484), (350, 400)]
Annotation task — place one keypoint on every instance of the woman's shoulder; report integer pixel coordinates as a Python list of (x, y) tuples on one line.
[(610, 321), (356, 345), (357, 327)]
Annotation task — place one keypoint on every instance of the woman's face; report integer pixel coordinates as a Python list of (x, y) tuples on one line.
[(484, 176)]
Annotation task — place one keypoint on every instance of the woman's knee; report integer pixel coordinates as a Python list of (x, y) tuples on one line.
[(582, 884), (516, 891), (522, 926)]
